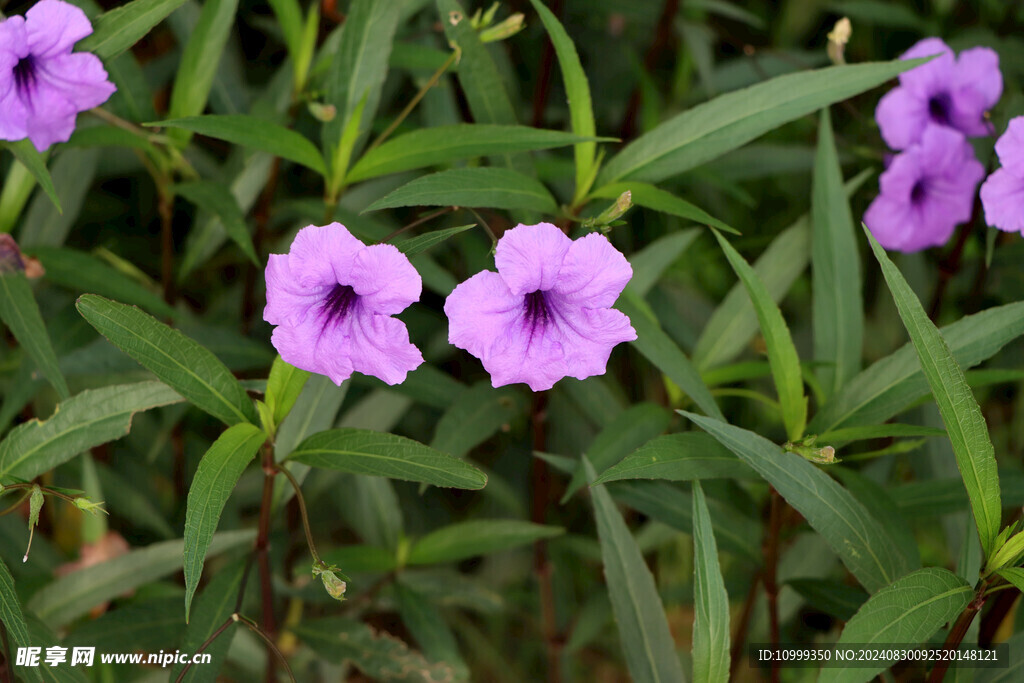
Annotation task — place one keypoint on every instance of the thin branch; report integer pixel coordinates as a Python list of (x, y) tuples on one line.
[(262, 547), (202, 648), (419, 221), (271, 645), (300, 499)]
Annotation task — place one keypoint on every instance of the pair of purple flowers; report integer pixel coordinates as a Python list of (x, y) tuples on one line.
[(546, 314), (929, 187), (43, 84)]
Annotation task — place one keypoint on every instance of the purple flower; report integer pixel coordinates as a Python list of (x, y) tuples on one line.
[(926, 192), (1002, 194), (948, 91), (546, 313), (332, 298), (43, 85)]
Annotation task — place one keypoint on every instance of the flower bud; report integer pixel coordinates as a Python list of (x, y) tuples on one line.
[(837, 40)]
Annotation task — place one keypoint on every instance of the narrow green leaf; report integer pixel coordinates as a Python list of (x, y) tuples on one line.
[(577, 90), (679, 457), (255, 133), (215, 479), (176, 360), (120, 28), (360, 65), (782, 354), (88, 419), (893, 383), (31, 159), (494, 188), (643, 631), (17, 188), (846, 526), (462, 540), (883, 431), (836, 285), (427, 625), (289, 16), (711, 602), (421, 243), (1014, 575), (910, 610), (832, 597), (73, 595), (72, 172), (709, 130), (284, 387), (19, 311), (442, 144), (656, 199), (657, 347), (876, 498), (13, 619), (361, 451), (965, 425), (212, 608), (81, 272), (475, 416), (198, 65), (218, 200), (651, 262)]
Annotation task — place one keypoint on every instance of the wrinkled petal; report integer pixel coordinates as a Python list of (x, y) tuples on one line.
[(902, 117), (385, 280), (322, 255), (903, 173), (1002, 195), (942, 149), (891, 222), (529, 354), (49, 116), (588, 336), (380, 347), (932, 76), (480, 310), (13, 47), (593, 273), (79, 77), (288, 301), (1010, 147), (54, 27), (13, 116), (308, 348), (978, 69), (529, 257)]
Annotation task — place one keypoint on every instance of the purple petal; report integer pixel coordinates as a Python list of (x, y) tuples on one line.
[(901, 116), (532, 356), (288, 301), (593, 273), (480, 310), (13, 116), (1002, 195), (323, 255), (380, 347), (310, 347), (978, 69), (384, 279), (941, 150), (54, 27), (903, 173), (49, 116), (1010, 147), (587, 336), (79, 77), (891, 221), (933, 76), (529, 257)]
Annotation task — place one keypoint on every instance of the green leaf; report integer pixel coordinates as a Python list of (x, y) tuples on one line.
[(442, 144), (782, 354), (679, 457), (1015, 666), (88, 419), (73, 595), (18, 184), (1014, 575), (847, 527), (462, 540), (361, 451), (475, 416), (426, 624), (176, 360), (19, 311), (896, 381), (421, 243), (657, 347), (255, 133), (360, 66), (965, 425), (82, 272), (830, 596), (218, 200), (883, 431), (577, 90), (651, 262), (289, 17), (13, 620), (493, 188), (120, 28), (710, 601), (199, 60), (215, 479), (284, 386), (213, 607), (643, 631), (35, 162), (910, 610), (876, 498), (836, 285), (632, 428), (656, 199), (713, 128), (72, 172)]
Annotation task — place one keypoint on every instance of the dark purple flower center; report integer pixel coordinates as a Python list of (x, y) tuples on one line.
[(337, 304), (25, 74), (939, 107), (918, 192), (536, 309)]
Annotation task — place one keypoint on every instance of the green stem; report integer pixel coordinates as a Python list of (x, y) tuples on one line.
[(302, 513), (271, 645)]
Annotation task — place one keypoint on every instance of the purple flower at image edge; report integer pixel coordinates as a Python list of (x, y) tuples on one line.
[(43, 85), (546, 314), (1002, 193), (947, 91), (926, 192), (332, 298)]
